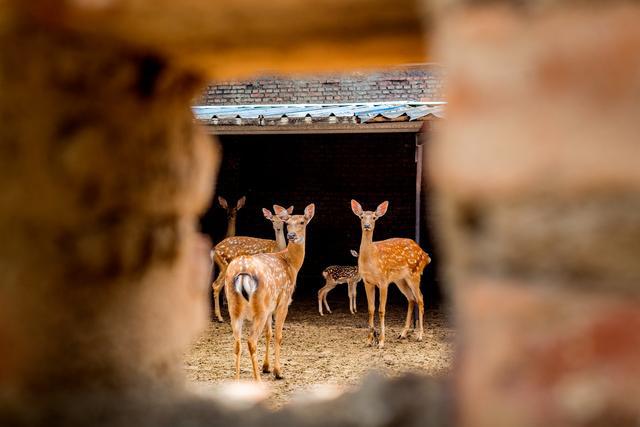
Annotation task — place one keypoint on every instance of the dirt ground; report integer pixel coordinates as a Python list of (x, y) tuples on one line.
[(324, 350)]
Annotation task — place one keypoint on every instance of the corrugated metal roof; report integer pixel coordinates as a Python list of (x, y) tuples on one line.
[(365, 112)]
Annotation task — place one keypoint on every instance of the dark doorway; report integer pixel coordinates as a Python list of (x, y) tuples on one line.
[(328, 170)]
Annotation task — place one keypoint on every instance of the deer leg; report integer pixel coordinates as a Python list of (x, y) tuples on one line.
[(370, 289), (322, 295), (414, 283), (252, 342), (355, 299), (381, 312), (351, 290), (281, 315), (217, 287), (236, 326), (407, 323), (406, 291), (266, 368), (326, 304), (330, 285)]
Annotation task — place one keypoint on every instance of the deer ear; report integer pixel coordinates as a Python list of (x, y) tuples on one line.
[(354, 253), (281, 212), (241, 202), (309, 211), (290, 210), (356, 208), (223, 202), (267, 213), (382, 209)]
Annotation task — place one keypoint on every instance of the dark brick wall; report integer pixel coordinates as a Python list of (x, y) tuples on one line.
[(328, 170), (408, 83)]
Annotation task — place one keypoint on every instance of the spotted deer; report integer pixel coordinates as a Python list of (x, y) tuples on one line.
[(232, 213), (399, 261), (233, 247), (335, 275), (261, 286)]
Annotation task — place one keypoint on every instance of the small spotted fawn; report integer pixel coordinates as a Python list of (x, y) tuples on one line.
[(335, 275)]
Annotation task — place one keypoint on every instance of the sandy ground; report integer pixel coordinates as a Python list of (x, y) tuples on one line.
[(324, 350)]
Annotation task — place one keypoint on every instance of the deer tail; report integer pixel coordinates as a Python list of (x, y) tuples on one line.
[(245, 284), (426, 260)]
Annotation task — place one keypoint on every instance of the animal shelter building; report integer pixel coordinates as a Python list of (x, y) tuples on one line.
[(327, 140)]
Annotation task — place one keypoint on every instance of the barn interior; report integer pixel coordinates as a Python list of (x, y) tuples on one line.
[(328, 169), (328, 154)]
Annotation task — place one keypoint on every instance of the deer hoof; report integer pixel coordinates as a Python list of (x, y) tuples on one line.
[(402, 336), (278, 376), (381, 345), (220, 320), (266, 369)]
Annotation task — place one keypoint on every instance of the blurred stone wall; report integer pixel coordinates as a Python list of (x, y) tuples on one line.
[(535, 169), (538, 182)]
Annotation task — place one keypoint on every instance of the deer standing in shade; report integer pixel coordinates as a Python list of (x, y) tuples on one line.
[(335, 275), (232, 216), (261, 286), (399, 261), (224, 252), (232, 213)]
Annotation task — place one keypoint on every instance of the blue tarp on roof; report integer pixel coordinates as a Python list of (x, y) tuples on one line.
[(364, 112)]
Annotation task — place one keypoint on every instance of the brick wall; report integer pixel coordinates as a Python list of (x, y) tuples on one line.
[(410, 83)]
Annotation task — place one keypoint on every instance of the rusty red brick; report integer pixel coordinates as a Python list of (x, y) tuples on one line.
[(534, 354)]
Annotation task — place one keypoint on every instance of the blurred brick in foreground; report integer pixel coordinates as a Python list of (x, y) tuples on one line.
[(536, 354), (539, 193)]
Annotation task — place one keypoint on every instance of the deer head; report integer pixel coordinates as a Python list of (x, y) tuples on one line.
[(278, 224), (233, 211), (368, 218), (296, 224)]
